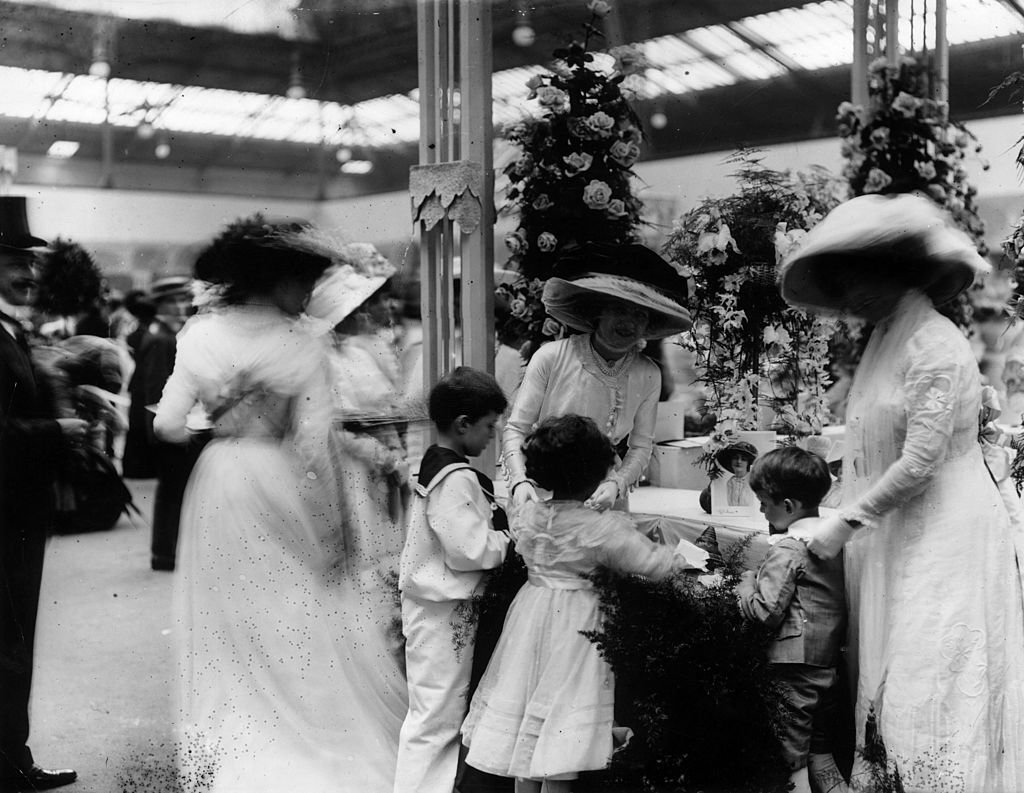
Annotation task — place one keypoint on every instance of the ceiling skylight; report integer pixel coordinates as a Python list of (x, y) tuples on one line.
[(812, 36)]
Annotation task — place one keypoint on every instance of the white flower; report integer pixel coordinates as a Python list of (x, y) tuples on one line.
[(926, 170), (625, 154), (906, 104), (597, 194), (628, 59), (542, 202), (555, 98), (599, 8), (877, 181)]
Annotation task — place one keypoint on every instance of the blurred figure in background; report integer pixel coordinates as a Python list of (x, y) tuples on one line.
[(145, 456)]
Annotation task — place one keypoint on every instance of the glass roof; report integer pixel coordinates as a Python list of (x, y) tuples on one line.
[(813, 36)]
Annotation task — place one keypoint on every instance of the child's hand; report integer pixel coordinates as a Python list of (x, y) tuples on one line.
[(603, 497), (521, 493)]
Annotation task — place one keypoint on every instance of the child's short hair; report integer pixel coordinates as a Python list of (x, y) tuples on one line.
[(568, 453), (465, 392), (791, 472)]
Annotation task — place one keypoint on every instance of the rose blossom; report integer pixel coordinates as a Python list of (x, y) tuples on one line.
[(551, 327), (616, 208), (877, 181), (597, 194), (599, 8), (625, 154), (926, 170), (517, 308), (547, 241), (542, 202), (601, 122), (533, 84), (628, 60), (906, 104), (551, 97), (515, 242), (578, 162)]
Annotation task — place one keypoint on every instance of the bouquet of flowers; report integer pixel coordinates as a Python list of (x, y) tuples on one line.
[(904, 141), (755, 353), (571, 182)]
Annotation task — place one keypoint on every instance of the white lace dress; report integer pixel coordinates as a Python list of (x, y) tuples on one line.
[(286, 681), (937, 616), (544, 706)]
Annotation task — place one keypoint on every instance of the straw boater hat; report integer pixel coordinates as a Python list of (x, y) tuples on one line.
[(632, 273), (896, 231)]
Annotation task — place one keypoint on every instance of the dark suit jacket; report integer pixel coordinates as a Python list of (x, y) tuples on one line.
[(30, 448), (803, 599)]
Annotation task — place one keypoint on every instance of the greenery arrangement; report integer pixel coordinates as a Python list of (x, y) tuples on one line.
[(702, 701), (571, 183), (904, 141), (753, 351), (69, 280)]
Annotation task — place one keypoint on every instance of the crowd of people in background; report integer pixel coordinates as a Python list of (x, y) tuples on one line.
[(268, 394)]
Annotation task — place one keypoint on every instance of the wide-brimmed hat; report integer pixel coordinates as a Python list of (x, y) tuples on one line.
[(359, 271), (632, 273), (737, 449), (14, 233), (901, 231)]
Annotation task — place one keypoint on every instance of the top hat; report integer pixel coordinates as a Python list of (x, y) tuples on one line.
[(14, 233)]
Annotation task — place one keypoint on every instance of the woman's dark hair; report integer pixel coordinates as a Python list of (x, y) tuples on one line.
[(465, 392), (904, 263), (249, 257), (568, 454), (791, 472)]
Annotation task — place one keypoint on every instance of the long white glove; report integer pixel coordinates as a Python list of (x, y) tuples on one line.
[(826, 538)]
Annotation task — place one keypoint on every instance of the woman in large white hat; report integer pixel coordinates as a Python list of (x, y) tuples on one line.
[(352, 301), (286, 682), (617, 297), (936, 642)]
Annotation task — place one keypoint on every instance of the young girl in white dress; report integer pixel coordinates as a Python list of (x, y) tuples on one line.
[(543, 710)]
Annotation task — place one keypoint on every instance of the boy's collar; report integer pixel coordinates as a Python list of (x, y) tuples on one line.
[(799, 522)]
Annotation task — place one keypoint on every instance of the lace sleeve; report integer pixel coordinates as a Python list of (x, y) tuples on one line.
[(525, 413), (931, 389)]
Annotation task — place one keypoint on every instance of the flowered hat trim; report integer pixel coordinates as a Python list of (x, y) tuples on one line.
[(357, 270), (632, 273), (887, 228)]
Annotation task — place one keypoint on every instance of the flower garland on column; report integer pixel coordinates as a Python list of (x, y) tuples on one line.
[(572, 180), (764, 364), (903, 141)]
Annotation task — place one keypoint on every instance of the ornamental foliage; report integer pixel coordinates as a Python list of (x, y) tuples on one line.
[(571, 182), (694, 683), (764, 365)]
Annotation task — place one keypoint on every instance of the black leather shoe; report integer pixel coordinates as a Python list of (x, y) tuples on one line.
[(162, 563), (37, 778)]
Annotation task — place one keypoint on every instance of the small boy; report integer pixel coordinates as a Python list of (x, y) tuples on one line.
[(802, 598), (449, 545)]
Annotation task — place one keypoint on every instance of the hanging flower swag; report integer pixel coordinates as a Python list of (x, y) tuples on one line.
[(763, 364), (571, 182), (904, 142)]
